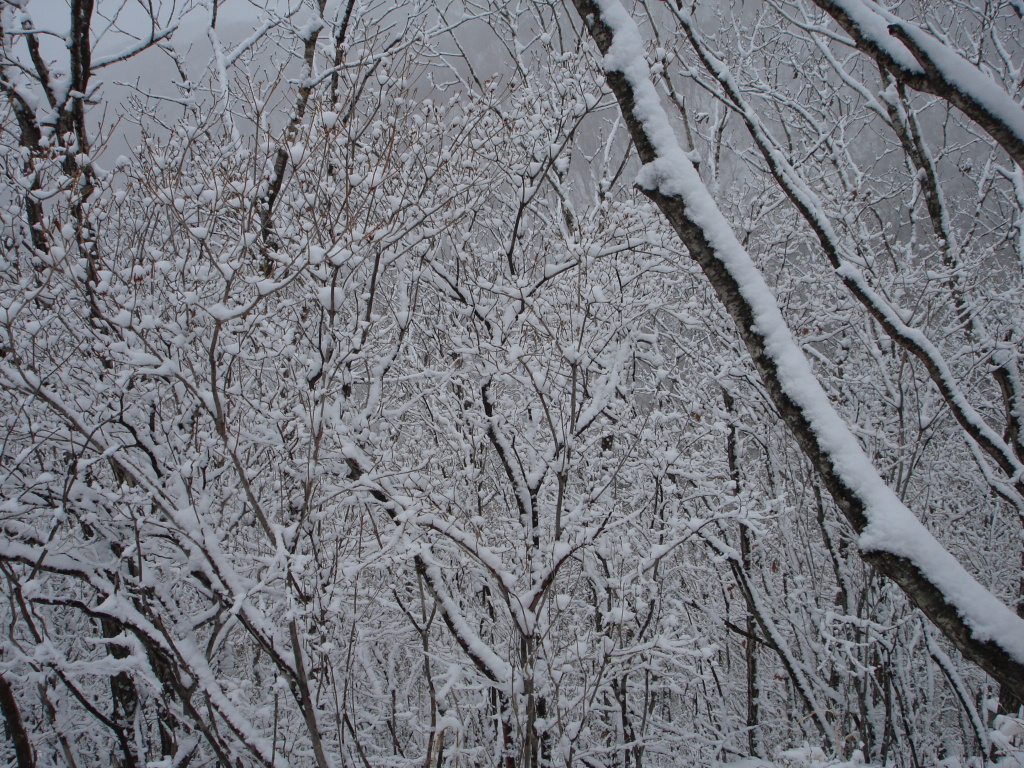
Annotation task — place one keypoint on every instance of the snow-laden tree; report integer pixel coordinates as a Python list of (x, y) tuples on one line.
[(358, 410)]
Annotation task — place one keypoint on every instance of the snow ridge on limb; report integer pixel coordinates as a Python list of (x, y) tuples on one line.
[(929, 65), (891, 538)]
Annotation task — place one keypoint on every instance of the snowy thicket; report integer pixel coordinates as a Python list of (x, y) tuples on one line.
[(360, 406)]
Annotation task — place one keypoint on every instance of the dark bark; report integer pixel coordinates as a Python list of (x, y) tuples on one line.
[(749, 648), (124, 698), (15, 726), (281, 158)]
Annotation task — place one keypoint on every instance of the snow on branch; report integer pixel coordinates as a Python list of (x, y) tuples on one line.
[(890, 537), (932, 66)]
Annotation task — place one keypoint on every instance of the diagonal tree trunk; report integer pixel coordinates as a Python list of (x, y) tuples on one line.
[(892, 540)]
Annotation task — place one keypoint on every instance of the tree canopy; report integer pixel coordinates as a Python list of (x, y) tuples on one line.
[(511, 384)]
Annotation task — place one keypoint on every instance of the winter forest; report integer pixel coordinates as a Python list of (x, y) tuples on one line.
[(604, 384)]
